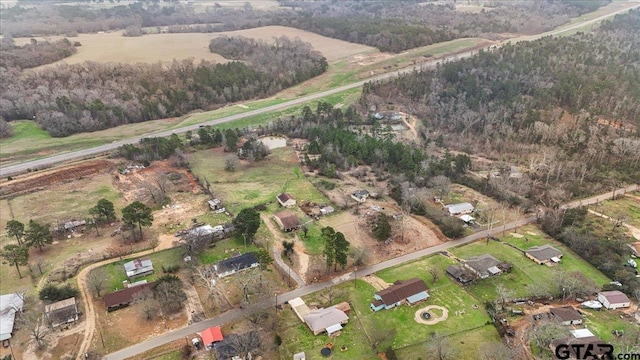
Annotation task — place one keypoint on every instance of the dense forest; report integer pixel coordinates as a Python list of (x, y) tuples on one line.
[(390, 26), (68, 99), (565, 109), (35, 54)]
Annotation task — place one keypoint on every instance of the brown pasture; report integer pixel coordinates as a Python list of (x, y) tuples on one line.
[(113, 47)]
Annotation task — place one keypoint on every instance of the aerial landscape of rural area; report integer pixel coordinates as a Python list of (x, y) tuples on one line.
[(319, 179)]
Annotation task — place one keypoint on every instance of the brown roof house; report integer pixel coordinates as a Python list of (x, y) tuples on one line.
[(62, 312), (462, 275), (123, 298), (568, 351), (412, 291), (545, 254), (485, 265), (566, 315), (286, 200), (287, 220), (614, 299)]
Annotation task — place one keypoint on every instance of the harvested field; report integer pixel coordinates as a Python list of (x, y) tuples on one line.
[(113, 47)]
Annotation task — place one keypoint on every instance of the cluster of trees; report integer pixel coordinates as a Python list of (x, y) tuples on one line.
[(150, 149), (52, 293), (542, 102), (38, 235), (608, 254), (67, 99), (34, 54), (336, 248), (291, 61)]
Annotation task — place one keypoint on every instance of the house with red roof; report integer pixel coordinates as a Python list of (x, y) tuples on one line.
[(211, 336)]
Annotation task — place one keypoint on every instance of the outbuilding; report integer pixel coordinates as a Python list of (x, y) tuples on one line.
[(614, 299)]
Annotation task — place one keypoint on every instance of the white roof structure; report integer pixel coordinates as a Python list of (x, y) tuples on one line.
[(461, 208), (334, 328), (299, 356), (592, 304), (206, 230), (9, 305), (467, 218), (581, 333)]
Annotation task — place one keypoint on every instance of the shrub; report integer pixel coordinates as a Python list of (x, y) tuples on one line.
[(53, 293)]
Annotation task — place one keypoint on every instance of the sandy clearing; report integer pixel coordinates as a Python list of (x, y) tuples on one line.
[(113, 47), (376, 282)]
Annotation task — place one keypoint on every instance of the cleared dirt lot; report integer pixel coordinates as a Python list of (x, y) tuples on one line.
[(113, 47)]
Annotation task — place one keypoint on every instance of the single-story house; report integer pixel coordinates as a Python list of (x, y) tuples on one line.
[(138, 267), (123, 298), (286, 200), (326, 210), (544, 254), (412, 291), (360, 195), (236, 264), (483, 266), (329, 320), (62, 312), (614, 299), (10, 304), (211, 336), (566, 315), (299, 308), (460, 209), (460, 274), (287, 220), (215, 204)]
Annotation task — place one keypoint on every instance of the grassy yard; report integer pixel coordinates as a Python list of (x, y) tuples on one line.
[(525, 272), (116, 275), (253, 184), (223, 250), (626, 207)]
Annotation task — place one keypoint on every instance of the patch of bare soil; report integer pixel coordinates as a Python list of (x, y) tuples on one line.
[(433, 320), (376, 282), (41, 180)]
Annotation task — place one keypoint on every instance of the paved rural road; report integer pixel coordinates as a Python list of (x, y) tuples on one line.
[(308, 289), (48, 161)]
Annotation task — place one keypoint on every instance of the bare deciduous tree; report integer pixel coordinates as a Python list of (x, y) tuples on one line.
[(435, 273), (34, 322), (379, 336), (97, 279), (441, 348)]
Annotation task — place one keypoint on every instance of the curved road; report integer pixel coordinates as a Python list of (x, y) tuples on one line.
[(22, 167), (308, 289)]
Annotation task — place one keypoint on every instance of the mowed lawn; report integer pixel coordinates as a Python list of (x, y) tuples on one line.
[(625, 208), (257, 183), (525, 273)]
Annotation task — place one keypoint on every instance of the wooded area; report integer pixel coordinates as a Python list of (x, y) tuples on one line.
[(567, 109), (86, 97), (34, 54)]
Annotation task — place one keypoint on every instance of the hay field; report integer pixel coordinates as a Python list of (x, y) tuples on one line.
[(113, 47)]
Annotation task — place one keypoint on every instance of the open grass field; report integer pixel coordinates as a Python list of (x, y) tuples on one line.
[(627, 207), (113, 47), (253, 184), (525, 273)]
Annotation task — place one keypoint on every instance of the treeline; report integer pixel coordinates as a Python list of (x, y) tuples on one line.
[(290, 61), (35, 54), (86, 97), (390, 25), (567, 109)]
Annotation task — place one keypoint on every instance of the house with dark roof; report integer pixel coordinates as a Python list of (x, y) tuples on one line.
[(484, 266), (360, 195), (614, 299), (123, 298), (329, 320), (287, 220), (62, 312), (545, 254), (225, 351), (410, 291), (566, 315), (460, 274), (236, 264), (286, 200), (138, 267)]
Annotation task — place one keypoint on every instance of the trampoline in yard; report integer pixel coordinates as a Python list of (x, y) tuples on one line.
[(325, 352)]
